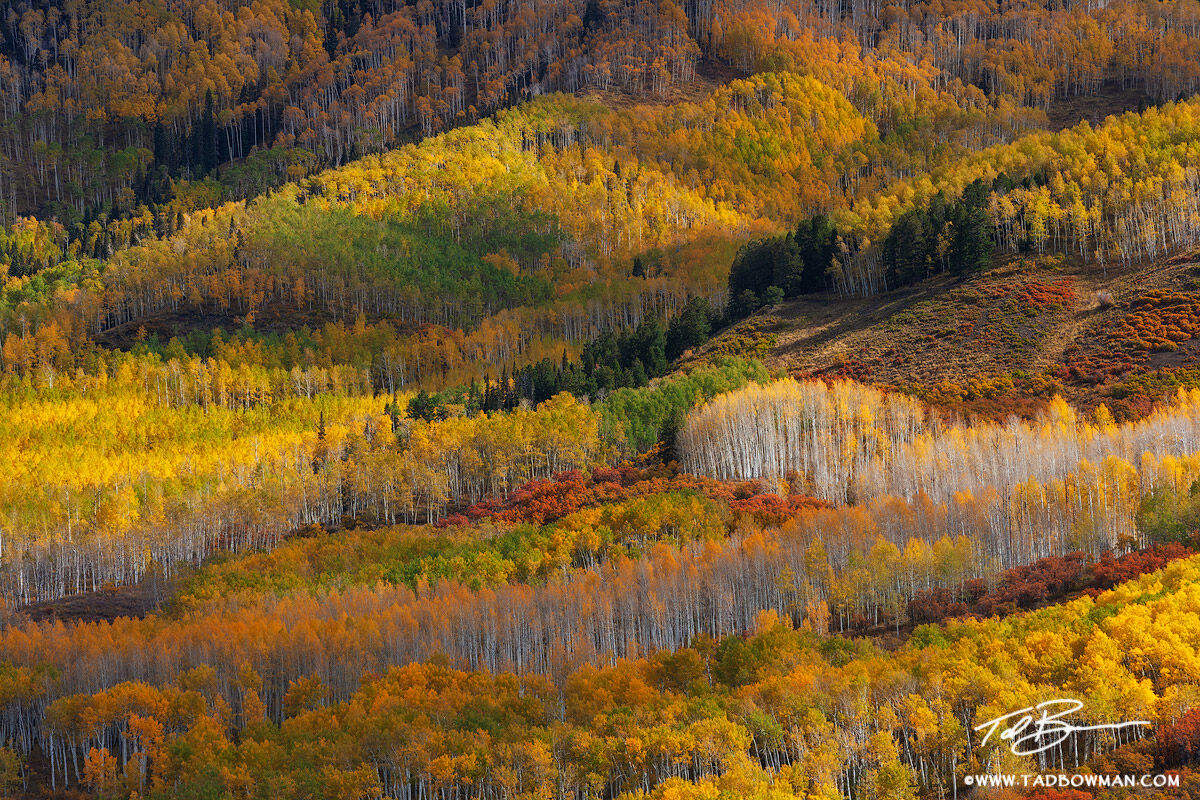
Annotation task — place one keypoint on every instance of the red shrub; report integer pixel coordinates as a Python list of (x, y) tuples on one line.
[(934, 605), (1109, 571), (771, 509), (1046, 580), (1030, 585), (544, 501), (1178, 743)]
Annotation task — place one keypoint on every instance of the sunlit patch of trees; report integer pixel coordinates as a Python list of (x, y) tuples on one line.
[(98, 490), (105, 104), (854, 442), (1121, 192), (779, 707), (669, 569), (286, 317), (562, 220), (464, 231), (109, 477)]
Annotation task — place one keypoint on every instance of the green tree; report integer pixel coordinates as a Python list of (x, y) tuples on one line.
[(690, 328), (426, 407), (817, 242)]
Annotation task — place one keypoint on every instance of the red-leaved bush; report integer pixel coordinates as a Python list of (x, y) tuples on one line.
[(544, 501), (1045, 580)]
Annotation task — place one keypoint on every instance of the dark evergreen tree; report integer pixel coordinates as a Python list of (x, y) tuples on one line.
[(753, 269), (667, 448), (426, 407), (971, 241), (392, 409), (817, 242), (937, 234), (637, 374), (743, 305), (648, 344), (204, 139), (474, 399), (905, 250), (690, 328)]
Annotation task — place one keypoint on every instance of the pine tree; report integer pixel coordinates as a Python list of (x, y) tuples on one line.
[(690, 328)]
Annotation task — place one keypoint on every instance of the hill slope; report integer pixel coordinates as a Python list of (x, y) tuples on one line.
[(1001, 341)]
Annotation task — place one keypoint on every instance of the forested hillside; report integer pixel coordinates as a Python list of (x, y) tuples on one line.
[(107, 104), (599, 583), (596, 399)]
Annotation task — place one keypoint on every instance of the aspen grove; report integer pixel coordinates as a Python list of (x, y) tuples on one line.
[(598, 399)]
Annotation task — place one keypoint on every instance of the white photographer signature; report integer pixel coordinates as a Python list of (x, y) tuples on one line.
[(1032, 732)]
